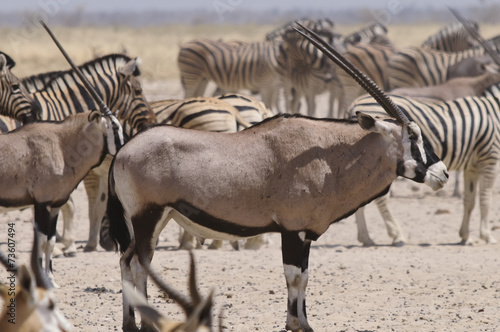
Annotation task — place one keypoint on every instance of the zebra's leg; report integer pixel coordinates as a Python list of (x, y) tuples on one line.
[(392, 225), (187, 241), (295, 104), (218, 92), (456, 189), (96, 185), (335, 100), (256, 242), (470, 189), (486, 182), (200, 88), (295, 252), (363, 235), (91, 182), (68, 237), (216, 244), (311, 105)]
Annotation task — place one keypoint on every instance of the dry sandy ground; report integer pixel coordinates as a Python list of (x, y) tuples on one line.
[(431, 284)]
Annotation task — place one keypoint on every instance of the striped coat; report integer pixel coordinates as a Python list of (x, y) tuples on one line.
[(232, 66), (465, 135)]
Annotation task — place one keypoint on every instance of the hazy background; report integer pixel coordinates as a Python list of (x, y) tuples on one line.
[(154, 12)]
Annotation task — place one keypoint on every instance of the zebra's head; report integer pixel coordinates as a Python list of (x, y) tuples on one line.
[(132, 106), (15, 100)]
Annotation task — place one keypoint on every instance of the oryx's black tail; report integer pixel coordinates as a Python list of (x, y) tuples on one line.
[(118, 231)]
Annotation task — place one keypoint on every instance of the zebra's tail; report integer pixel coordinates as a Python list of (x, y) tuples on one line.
[(118, 230)]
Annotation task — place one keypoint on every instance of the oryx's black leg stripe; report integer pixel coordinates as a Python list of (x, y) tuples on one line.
[(295, 252)]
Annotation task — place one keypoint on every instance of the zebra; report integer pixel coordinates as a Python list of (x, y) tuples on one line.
[(232, 66), (341, 86), (451, 38), (415, 66), (15, 100), (306, 71), (465, 134), (61, 93), (372, 59)]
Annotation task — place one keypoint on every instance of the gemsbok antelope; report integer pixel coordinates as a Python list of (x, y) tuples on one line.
[(29, 305), (289, 174), (42, 163), (198, 310)]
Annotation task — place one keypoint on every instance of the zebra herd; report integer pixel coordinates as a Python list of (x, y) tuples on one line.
[(463, 132)]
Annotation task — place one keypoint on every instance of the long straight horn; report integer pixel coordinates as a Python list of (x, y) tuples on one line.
[(367, 84), (474, 32), (41, 278), (193, 287), (102, 106), (179, 298)]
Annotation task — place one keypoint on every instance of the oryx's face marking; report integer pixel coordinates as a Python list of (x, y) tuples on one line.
[(420, 163)]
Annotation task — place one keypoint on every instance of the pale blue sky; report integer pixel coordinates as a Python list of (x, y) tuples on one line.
[(134, 5)]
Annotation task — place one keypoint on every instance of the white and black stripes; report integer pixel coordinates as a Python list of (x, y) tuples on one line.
[(451, 38), (15, 101), (232, 66), (114, 77), (465, 134), (416, 67), (461, 131)]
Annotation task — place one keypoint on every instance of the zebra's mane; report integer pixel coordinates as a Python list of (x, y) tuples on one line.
[(47, 78)]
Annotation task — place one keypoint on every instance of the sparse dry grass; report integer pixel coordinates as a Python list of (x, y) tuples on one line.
[(34, 52)]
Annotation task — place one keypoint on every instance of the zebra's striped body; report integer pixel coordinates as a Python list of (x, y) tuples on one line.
[(465, 134), (15, 100), (61, 94), (373, 60), (416, 67), (114, 76), (307, 71), (7, 124), (232, 66), (452, 38)]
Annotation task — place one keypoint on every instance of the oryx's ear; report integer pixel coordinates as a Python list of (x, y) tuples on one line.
[(367, 122), (95, 115), (130, 68)]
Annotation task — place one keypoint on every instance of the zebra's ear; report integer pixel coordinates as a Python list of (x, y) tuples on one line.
[(130, 68), (6, 62), (3, 65)]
